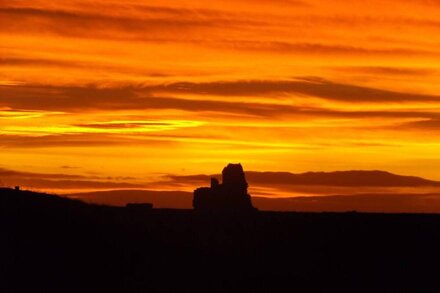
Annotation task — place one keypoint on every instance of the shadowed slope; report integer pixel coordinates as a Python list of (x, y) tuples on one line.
[(386, 203), (52, 244), (160, 199)]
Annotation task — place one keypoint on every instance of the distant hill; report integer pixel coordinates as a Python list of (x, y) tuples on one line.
[(386, 202), (54, 244), (10, 197), (342, 178), (338, 178), (160, 199)]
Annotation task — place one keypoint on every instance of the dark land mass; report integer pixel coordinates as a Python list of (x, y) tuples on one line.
[(393, 193), (352, 178), (341, 178), (160, 199), (53, 244), (378, 202)]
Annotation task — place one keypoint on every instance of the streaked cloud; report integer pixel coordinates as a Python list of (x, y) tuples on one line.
[(157, 96), (316, 87), (424, 124), (62, 181), (389, 70), (135, 88)]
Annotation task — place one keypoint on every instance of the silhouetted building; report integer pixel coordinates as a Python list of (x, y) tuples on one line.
[(230, 195), (17, 188)]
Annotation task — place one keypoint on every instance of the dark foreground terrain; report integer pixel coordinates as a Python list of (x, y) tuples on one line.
[(52, 244)]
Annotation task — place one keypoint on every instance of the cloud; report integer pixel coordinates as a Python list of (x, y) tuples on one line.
[(68, 64), (70, 184), (7, 113), (5, 173), (155, 96), (161, 23), (62, 181), (425, 124), (36, 100), (68, 167), (317, 88), (212, 28), (383, 70), (78, 140), (316, 48), (75, 99), (126, 124)]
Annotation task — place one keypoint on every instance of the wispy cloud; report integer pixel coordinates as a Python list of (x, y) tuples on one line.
[(63, 181), (377, 70), (432, 124), (316, 87), (183, 87), (116, 26), (156, 96)]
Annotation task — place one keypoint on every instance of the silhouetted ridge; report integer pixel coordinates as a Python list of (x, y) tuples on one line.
[(230, 195), (353, 178), (340, 178), (52, 244), (13, 197)]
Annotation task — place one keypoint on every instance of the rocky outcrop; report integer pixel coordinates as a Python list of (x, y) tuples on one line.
[(229, 196)]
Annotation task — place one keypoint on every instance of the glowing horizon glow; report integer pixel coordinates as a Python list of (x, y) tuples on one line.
[(135, 89)]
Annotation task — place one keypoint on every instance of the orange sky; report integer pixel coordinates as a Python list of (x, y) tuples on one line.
[(127, 91)]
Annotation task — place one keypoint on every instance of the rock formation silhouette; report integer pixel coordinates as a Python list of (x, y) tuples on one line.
[(229, 196)]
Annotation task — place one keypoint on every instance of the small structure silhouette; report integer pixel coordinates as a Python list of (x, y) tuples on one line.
[(229, 196)]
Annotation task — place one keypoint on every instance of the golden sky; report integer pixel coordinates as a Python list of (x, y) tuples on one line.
[(124, 91)]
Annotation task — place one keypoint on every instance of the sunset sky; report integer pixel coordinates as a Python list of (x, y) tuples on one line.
[(122, 93)]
